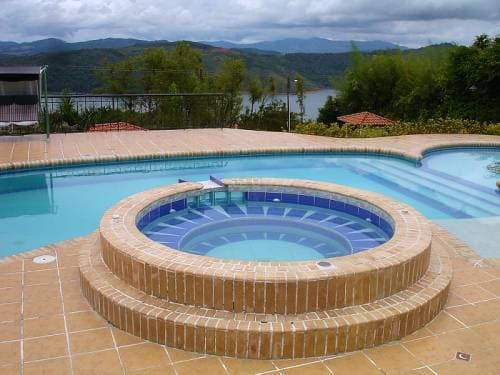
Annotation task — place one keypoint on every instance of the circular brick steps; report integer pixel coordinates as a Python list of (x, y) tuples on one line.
[(265, 287), (260, 335)]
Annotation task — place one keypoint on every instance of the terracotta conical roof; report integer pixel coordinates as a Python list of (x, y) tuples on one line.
[(364, 118)]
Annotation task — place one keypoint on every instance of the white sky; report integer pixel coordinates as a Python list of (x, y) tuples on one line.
[(407, 22)]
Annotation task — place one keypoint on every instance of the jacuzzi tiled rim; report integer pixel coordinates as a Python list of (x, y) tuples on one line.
[(328, 227), (270, 287)]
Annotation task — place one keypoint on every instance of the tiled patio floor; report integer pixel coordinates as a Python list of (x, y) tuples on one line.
[(87, 146), (46, 326)]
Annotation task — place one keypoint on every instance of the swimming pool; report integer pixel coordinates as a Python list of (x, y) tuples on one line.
[(39, 207)]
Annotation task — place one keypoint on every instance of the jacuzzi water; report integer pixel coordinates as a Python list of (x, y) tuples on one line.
[(40, 207), (265, 231)]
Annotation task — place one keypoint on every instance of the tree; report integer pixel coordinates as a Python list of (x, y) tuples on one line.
[(482, 41), (271, 87), (329, 112), (404, 86), (177, 71), (228, 81), (472, 80), (256, 92), (119, 78), (299, 90)]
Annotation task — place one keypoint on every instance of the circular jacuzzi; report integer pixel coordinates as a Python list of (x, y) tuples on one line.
[(264, 223), (265, 268), (265, 245)]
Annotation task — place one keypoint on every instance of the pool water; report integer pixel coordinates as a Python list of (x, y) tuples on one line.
[(39, 207), (265, 231)]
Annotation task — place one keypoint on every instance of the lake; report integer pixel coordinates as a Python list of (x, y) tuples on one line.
[(313, 101)]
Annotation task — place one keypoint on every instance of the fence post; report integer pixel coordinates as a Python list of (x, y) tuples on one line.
[(47, 125)]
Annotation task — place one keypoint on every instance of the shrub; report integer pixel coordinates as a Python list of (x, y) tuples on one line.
[(431, 126)]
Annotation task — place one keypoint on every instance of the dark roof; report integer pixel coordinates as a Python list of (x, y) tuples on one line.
[(364, 118), (19, 73)]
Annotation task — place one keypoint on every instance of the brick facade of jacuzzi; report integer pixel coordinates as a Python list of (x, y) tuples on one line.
[(324, 335)]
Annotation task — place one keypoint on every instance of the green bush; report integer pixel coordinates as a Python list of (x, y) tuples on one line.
[(431, 126)]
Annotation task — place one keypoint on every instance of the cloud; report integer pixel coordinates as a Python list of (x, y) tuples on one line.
[(409, 22)]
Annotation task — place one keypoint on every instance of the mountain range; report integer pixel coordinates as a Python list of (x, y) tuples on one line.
[(58, 45), (309, 45), (282, 46)]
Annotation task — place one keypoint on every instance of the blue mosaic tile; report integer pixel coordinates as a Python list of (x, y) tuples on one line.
[(343, 226), (163, 230), (351, 209), (359, 236), (235, 237), (271, 196), (255, 235), (165, 209), (338, 220), (364, 214), (179, 205), (276, 211), (386, 227), (296, 213), (337, 205), (310, 242), (317, 216), (174, 221), (169, 244), (306, 199), (291, 237), (322, 202), (217, 241), (373, 234), (192, 216), (233, 210), (154, 214), (201, 249), (273, 236), (143, 222), (258, 196), (375, 219), (289, 198), (355, 226), (255, 210)]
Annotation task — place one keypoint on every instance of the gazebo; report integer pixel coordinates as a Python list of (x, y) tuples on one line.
[(21, 90), (365, 118)]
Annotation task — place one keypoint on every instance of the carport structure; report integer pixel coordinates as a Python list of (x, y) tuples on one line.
[(21, 92)]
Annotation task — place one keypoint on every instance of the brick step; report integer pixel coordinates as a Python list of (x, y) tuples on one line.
[(264, 336)]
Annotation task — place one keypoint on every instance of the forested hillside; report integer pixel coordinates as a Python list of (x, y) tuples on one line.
[(73, 70)]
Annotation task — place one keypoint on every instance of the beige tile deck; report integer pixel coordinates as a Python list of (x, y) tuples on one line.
[(58, 340), (16, 151), (47, 327)]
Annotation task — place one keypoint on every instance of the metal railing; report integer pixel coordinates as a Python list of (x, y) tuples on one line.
[(150, 111)]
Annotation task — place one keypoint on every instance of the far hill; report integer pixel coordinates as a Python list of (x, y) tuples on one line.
[(58, 45), (309, 45)]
